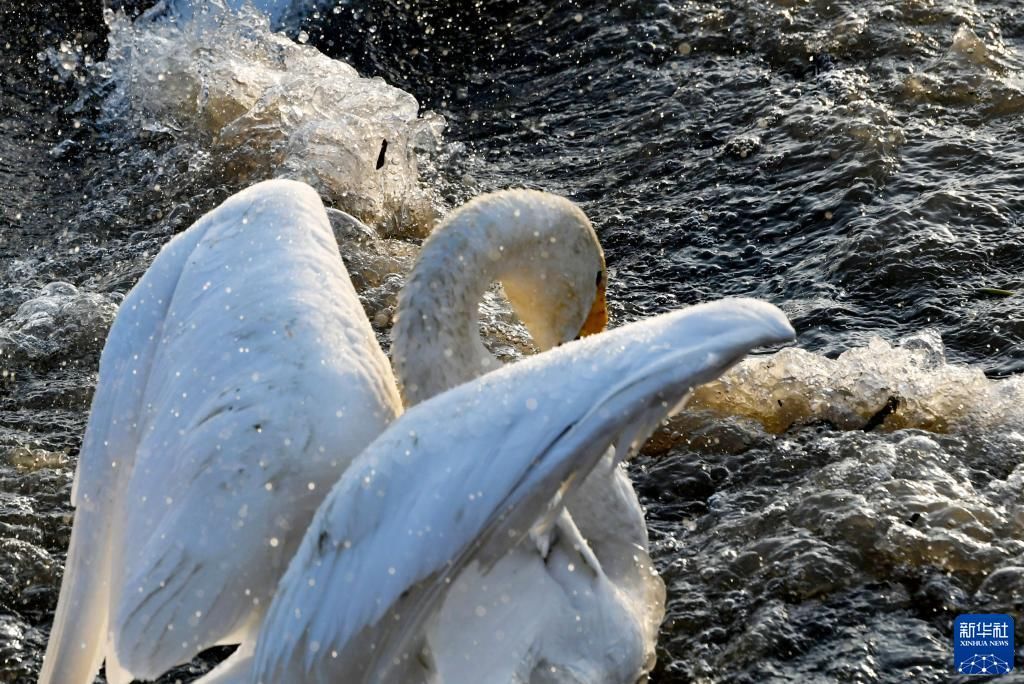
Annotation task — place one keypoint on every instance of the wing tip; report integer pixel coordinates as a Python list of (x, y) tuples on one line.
[(777, 327)]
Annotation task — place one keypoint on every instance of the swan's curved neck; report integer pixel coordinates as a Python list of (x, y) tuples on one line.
[(436, 339)]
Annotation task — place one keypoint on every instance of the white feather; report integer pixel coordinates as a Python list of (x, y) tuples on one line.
[(238, 382), (459, 480)]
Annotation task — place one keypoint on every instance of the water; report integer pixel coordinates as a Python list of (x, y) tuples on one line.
[(855, 162)]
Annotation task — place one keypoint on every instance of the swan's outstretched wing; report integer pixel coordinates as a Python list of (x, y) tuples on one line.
[(463, 477), (262, 382), (75, 649)]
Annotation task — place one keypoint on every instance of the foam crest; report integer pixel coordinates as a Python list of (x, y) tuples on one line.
[(266, 106), (881, 385), (974, 70), (59, 322)]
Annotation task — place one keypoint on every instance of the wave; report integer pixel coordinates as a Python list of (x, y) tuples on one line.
[(265, 106), (879, 386), (218, 78), (59, 323)]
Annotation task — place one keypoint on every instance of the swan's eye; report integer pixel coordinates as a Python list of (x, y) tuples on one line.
[(600, 277)]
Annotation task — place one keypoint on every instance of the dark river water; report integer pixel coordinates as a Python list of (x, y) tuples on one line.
[(821, 514)]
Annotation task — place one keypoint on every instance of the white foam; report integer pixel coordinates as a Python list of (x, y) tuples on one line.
[(796, 386), (58, 323), (275, 10), (973, 71), (266, 106)]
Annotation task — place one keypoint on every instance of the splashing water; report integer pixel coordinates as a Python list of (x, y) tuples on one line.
[(266, 106), (796, 386), (59, 323)]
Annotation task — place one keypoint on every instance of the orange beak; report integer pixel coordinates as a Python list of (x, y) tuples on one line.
[(597, 319)]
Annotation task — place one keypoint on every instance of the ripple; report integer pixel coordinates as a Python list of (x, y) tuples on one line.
[(845, 553)]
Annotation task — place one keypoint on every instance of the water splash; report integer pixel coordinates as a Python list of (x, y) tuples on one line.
[(266, 106), (796, 386), (59, 323), (275, 10), (878, 386), (975, 70)]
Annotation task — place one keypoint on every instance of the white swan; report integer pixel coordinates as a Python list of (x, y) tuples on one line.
[(603, 515), (461, 479), (238, 381)]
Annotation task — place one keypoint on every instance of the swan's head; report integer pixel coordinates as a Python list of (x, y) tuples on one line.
[(539, 246), (552, 266)]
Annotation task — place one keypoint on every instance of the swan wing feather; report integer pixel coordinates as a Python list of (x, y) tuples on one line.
[(74, 651), (262, 381), (461, 479)]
